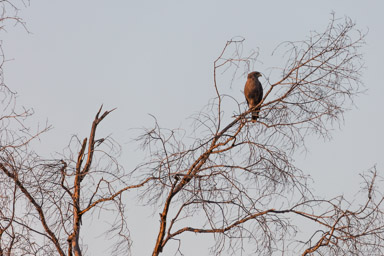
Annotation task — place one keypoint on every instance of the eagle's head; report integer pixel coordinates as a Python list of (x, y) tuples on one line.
[(254, 74)]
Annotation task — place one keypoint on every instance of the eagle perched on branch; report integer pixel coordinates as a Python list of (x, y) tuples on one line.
[(253, 92)]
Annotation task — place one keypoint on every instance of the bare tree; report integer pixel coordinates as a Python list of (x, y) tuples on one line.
[(236, 179), (44, 201)]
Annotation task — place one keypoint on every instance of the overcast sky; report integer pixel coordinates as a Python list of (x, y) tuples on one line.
[(156, 57)]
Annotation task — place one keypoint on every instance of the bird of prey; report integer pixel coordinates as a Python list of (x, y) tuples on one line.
[(253, 92)]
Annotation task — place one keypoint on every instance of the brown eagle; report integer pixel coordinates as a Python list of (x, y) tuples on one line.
[(253, 92)]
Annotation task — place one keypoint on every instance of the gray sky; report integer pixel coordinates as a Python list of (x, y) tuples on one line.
[(157, 57)]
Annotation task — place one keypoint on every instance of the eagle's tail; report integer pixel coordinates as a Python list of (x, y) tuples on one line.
[(255, 115)]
